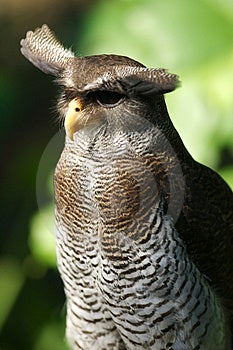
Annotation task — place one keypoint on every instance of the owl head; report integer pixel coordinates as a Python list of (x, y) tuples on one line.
[(97, 89)]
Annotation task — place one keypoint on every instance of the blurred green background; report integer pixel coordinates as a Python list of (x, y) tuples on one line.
[(191, 38)]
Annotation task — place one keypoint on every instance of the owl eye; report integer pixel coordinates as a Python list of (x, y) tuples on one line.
[(109, 98)]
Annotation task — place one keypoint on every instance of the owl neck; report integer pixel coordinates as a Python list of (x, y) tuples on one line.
[(160, 117)]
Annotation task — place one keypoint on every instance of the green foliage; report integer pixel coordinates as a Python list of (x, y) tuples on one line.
[(11, 281), (51, 337), (42, 236)]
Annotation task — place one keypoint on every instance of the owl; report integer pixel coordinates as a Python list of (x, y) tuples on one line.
[(144, 233)]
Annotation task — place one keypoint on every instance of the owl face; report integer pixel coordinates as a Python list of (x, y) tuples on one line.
[(109, 90), (90, 109), (101, 107)]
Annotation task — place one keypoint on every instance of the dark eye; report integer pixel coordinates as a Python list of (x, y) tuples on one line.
[(109, 98)]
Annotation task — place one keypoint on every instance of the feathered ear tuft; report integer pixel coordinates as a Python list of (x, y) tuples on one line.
[(149, 81), (43, 49)]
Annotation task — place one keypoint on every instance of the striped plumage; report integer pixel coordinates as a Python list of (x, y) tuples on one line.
[(144, 233)]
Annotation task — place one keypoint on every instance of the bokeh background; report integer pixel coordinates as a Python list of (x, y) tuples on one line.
[(191, 38)]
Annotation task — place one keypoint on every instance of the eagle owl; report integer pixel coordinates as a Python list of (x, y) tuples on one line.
[(144, 233)]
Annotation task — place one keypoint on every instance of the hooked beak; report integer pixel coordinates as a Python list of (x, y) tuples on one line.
[(72, 118)]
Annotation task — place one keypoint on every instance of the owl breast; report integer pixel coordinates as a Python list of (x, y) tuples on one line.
[(90, 201), (116, 244), (111, 184), (99, 195)]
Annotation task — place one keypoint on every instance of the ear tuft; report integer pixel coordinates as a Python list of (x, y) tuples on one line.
[(43, 49), (149, 81)]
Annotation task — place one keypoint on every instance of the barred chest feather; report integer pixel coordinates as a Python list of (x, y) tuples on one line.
[(128, 279)]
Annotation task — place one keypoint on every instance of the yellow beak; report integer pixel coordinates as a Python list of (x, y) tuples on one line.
[(72, 117)]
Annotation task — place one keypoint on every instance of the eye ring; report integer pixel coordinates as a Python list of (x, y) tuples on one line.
[(109, 99)]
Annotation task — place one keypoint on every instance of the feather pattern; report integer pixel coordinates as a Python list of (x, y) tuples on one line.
[(43, 50)]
